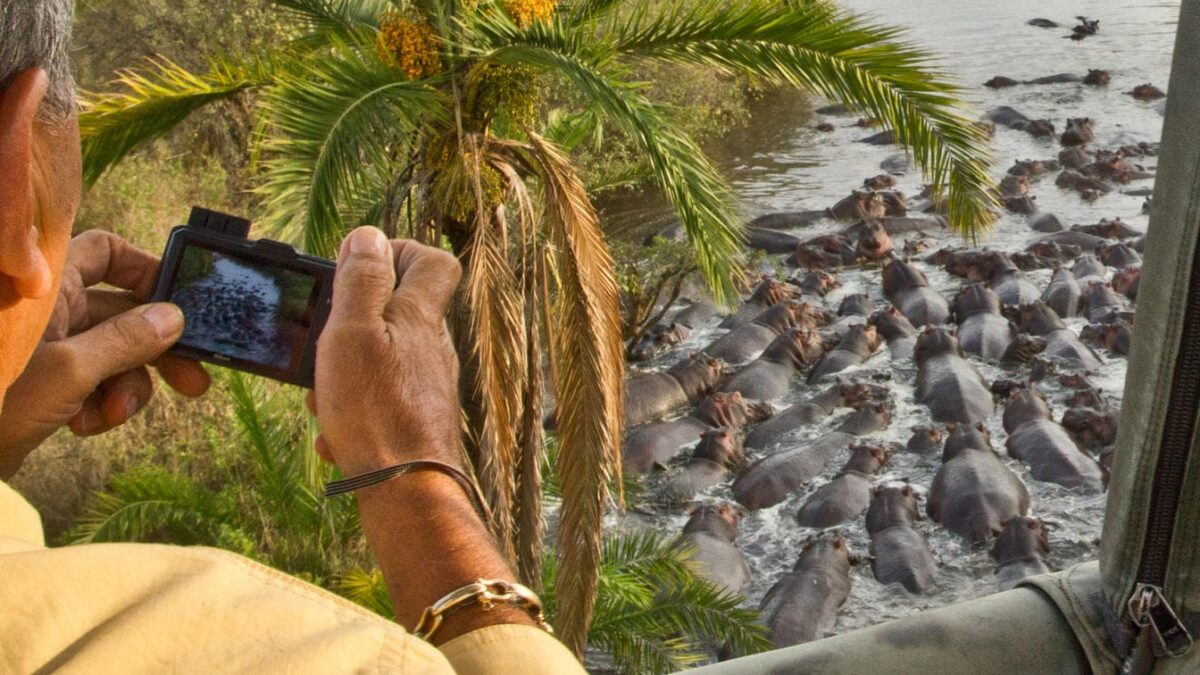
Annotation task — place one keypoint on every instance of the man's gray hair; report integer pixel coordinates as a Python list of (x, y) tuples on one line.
[(38, 33)]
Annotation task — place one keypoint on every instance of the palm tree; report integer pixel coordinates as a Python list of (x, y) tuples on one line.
[(423, 116)]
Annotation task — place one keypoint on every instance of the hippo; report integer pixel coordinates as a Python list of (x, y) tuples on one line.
[(749, 339), (1126, 282), (858, 345), (1089, 427), (1102, 304), (1010, 285), (814, 285), (1022, 204), (1085, 28), (899, 332), (1024, 349), (1051, 250), (1046, 222), (1042, 23), (1097, 78), (946, 383), (974, 493), (768, 376), (652, 395), (649, 447), (788, 220), (908, 289), (834, 109), (881, 182), (1118, 255), (854, 308), (1035, 439), (1109, 229), (802, 606), (826, 251), (898, 163), (770, 241), (896, 225), (1006, 116), (1020, 551), (874, 243), (1000, 82), (849, 493), (1074, 157), (1088, 269), (767, 293), (771, 479), (1114, 168), (1147, 92), (1063, 295), (719, 452), (1014, 186), (895, 204), (709, 535), (1061, 344), (1078, 132), (1085, 242), (658, 340), (881, 138), (1033, 167), (925, 439), (695, 314), (971, 264), (860, 205), (1115, 336), (1057, 78), (815, 409), (899, 553), (982, 330), (1075, 180)]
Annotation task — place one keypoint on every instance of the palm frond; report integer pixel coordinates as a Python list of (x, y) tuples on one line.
[(325, 21), (334, 119), (367, 589), (531, 442), (588, 372), (154, 102)]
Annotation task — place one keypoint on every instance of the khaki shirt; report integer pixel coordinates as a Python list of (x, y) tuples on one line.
[(147, 608)]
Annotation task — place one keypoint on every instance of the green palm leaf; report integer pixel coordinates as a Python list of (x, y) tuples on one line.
[(367, 589), (325, 21)]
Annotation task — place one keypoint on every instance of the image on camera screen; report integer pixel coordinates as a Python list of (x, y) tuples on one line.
[(242, 309)]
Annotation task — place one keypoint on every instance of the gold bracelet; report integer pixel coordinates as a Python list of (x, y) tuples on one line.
[(486, 593)]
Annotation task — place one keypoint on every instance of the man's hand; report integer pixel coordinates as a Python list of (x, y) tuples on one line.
[(90, 369), (387, 375)]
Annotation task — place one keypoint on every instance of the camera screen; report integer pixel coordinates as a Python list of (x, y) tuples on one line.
[(243, 309)]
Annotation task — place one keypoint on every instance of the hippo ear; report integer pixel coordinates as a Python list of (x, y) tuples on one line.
[(659, 467), (951, 426), (1033, 523), (1003, 522), (906, 490), (876, 490)]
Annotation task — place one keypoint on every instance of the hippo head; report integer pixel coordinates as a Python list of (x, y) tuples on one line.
[(1025, 347), (816, 282), (1023, 538), (856, 394), (868, 458), (827, 551), (1097, 77), (891, 324), (1025, 405), (1118, 255), (867, 419), (731, 410), (784, 315), (961, 437), (1003, 389), (1091, 427), (1075, 381), (943, 255), (1100, 294), (1090, 397), (657, 340), (1014, 185), (881, 182), (1038, 319), (796, 346), (1040, 128), (892, 505), (1041, 369), (720, 520), (1073, 157), (698, 374), (1126, 281), (925, 438), (899, 275), (1052, 250), (914, 246), (861, 339), (934, 341), (874, 242), (770, 291), (856, 304), (722, 446), (975, 298)]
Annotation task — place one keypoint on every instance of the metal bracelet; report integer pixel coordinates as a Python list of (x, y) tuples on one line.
[(487, 593)]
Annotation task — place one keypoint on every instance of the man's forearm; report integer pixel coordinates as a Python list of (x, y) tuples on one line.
[(429, 541)]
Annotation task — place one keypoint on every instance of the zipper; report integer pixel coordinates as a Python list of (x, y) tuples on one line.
[(1149, 615)]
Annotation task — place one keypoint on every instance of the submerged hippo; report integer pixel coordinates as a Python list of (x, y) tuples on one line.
[(651, 395), (1078, 132), (925, 439), (1014, 186), (1147, 92), (1126, 282), (1023, 204), (824, 252), (1008, 117), (1020, 551), (1057, 78), (1035, 439), (802, 606), (899, 554), (1009, 283), (771, 479), (897, 330), (854, 309), (1046, 222), (768, 376), (768, 293), (946, 383), (658, 340), (908, 289), (1115, 337), (874, 243), (1033, 167), (1109, 229), (813, 410), (858, 345), (1097, 78), (710, 533), (1061, 343), (1090, 427), (1001, 82), (649, 448), (1074, 157), (1088, 269), (849, 493), (770, 241), (719, 452), (749, 339), (882, 181), (1063, 294), (787, 221), (982, 330), (974, 493), (860, 205), (1118, 255), (1102, 304)]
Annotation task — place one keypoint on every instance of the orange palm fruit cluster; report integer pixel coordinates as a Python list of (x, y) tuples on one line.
[(525, 12), (411, 45)]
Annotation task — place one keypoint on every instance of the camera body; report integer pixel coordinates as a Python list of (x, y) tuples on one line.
[(253, 305)]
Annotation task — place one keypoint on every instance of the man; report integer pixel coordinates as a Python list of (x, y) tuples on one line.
[(75, 354)]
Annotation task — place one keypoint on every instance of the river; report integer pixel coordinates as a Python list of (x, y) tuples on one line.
[(781, 163)]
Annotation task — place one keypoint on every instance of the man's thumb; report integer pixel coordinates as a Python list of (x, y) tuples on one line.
[(124, 342)]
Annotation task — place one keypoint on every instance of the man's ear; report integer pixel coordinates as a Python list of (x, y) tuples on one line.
[(23, 267)]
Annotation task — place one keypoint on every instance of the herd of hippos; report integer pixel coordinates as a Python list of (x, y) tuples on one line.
[(784, 332)]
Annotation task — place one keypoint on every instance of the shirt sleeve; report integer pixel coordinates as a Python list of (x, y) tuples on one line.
[(18, 518), (510, 649)]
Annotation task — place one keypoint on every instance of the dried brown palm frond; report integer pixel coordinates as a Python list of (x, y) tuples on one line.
[(588, 373)]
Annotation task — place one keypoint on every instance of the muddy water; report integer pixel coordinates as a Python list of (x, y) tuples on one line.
[(781, 164)]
